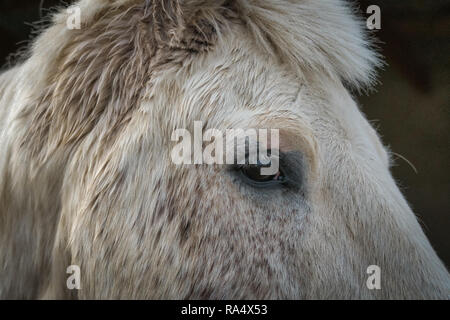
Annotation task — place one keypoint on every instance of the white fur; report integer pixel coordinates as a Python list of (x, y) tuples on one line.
[(87, 180)]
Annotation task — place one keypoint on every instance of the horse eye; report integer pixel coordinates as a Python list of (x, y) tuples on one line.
[(252, 175)]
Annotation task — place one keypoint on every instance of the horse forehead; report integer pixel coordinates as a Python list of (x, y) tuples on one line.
[(245, 77), (237, 86)]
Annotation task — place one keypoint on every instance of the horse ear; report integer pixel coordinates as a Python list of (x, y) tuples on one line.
[(185, 24)]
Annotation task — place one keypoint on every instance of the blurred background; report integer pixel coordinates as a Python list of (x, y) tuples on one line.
[(410, 107)]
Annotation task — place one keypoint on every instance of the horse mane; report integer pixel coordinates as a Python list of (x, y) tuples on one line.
[(315, 37), (309, 35)]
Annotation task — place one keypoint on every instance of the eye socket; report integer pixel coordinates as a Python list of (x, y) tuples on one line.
[(289, 177), (252, 175)]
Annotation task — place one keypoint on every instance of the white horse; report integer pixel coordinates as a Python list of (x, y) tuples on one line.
[(86, 176)]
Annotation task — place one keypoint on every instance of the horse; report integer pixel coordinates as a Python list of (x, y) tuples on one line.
[(87, 179)]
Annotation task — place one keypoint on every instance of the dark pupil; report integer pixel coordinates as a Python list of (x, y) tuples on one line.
[(254, 173)]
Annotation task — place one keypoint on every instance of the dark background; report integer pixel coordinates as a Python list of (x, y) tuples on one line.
[(410, 108)]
